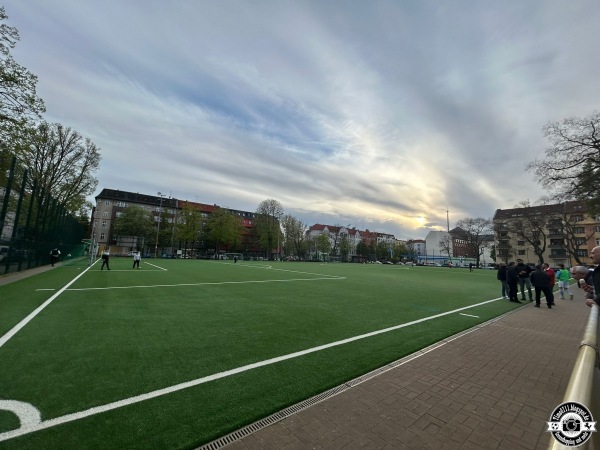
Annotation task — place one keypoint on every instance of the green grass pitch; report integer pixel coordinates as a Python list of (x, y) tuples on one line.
[(181, 352)]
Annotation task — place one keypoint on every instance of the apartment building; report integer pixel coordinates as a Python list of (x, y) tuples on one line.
[(338, 233), (561, 233), (111, 203)]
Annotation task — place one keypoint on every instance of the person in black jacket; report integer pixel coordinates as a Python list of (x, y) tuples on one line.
[(501, 276), (524, 271), (595, 289), (512, 279), (541, 283)]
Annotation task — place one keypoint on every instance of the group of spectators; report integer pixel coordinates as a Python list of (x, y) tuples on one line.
[(543, 279)]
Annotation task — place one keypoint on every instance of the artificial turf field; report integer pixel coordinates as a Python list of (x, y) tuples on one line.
[(181, 352)]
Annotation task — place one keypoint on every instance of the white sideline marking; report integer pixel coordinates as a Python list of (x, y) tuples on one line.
[(178, 387), (4, 339), (469, 315), (205, 284)]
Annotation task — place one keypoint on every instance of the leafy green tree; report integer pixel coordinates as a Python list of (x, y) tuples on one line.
[(382, 250), (189, 226), (362, 249), (294, 235), (323, 244), (223, 227), (137, 222), (268, 216), (19, 102), (344, 247)]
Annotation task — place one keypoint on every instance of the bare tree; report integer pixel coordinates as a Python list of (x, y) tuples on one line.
[(445, 245), (532, 226), (294, 232), (61, 162), (572, 161), (477, 233)]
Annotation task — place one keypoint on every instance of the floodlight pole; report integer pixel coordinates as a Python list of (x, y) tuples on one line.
[(158, 226)]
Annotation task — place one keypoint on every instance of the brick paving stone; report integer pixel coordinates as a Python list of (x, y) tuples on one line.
[(492, 388)]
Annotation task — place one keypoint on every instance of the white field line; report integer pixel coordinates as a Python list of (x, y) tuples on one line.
[(154, 265), (469, 315), (33, 426), (284, 270), (4, 339), (208, 283)]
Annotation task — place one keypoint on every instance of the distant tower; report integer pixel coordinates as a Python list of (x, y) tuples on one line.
[(448, 220)]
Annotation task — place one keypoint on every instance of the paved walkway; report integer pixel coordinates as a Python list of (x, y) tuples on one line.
[(15, 276), (492, 388)]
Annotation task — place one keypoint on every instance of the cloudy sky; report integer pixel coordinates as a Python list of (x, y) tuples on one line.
[(374, 114)]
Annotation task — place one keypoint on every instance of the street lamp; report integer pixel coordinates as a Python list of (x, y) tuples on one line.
[(158, 227)]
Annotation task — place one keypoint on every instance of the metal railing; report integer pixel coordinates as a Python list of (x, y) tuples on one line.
[(581, 384)]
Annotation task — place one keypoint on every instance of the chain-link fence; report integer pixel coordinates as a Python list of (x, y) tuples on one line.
[(32, 223)]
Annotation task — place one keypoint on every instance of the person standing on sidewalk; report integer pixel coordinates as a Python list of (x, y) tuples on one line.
[(564, 276), (524, 271), (546, 267), (512, 279), (541, 283), (501, 276)]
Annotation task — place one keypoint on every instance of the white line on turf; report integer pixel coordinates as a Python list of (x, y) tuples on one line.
[(283, 270), (469, 315), (4, 339), (154, 265), (209, 283), (178, 387)]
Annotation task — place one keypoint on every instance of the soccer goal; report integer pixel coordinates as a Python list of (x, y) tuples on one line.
[(91, 246)]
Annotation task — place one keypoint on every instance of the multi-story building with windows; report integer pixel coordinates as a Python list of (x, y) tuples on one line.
[(166, 212), (337, 234), (561, 233)]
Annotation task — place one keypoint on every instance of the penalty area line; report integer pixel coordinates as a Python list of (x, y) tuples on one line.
[(211, 283), (178, 387)]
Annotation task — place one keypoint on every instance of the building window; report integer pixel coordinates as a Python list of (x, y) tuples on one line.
[(122, 204), (520, 242), (105, 214), (576, 218), (521, 252), (107, 202), (104, 224), (579, 230), (102, 236)]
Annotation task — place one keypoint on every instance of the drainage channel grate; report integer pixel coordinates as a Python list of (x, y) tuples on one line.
[(291, 410)]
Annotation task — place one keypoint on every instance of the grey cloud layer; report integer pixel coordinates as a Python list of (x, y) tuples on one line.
[(346, 112)]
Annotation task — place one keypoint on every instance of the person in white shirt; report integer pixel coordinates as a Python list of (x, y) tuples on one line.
[(136, 259), (105, 257)]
